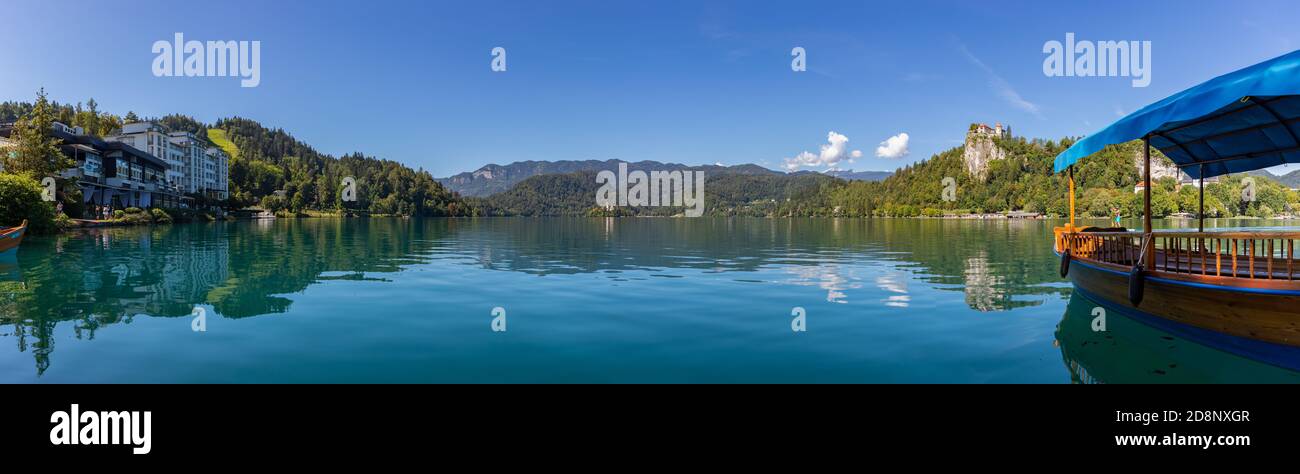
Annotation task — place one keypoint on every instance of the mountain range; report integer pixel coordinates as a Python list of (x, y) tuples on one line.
[(493, 178), (850, 175), (1290, 180), (727, 194)]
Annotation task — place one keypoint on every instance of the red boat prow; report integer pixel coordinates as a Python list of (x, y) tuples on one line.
[(12, 236)]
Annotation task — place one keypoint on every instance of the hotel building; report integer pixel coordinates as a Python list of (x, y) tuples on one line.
[(142, 165), (115, 173), (194, 166)]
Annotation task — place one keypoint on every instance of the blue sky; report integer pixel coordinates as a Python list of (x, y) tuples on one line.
[(692, 81)]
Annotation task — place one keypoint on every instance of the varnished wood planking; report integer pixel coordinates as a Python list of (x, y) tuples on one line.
[(1272, 318)]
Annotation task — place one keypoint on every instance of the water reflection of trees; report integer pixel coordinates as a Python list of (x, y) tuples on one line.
[(999, 264), (99, 277)]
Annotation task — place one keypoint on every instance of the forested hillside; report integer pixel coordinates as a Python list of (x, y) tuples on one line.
[(1024, 181), (87, 115), (493, 178), (726, 194), (271, 168), (1290, 180), (273, 160)]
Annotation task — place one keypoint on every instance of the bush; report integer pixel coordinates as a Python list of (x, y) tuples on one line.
[(118, 214), (160, 216), (134, 210), (62, 221), (274, 203), (135, 218), (20, 198)]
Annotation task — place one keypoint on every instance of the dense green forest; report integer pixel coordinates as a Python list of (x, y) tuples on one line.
[(493, 178), (272, 169), (725, 194), (1024, 181), (85, 115), (269, 160)]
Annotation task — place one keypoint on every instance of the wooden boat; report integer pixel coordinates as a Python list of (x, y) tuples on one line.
[(1133, 352), (11, 237), (1237, 291)]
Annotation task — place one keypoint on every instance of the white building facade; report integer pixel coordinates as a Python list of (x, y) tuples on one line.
[(193, 153), (217, 181), (194, 165), (148, 137)]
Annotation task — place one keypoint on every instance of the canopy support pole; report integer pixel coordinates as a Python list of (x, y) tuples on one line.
[(1146, 198), (1201, 227), (1071, 170)]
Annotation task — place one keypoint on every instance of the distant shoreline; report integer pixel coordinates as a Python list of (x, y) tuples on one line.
[(91, 224)]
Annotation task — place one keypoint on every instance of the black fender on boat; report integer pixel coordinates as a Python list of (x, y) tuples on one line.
[(1065, 263), (1136, 285)]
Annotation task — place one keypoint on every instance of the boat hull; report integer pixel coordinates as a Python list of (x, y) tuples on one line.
[(10, 239), (1262, 324)]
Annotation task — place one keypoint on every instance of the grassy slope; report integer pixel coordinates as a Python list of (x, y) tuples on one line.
[(219, 137)]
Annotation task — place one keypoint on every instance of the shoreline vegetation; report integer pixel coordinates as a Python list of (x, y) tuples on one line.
[(273, 173), (269, 170), (133, 216)]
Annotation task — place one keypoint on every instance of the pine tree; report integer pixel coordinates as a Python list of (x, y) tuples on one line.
[(38, 154), (93, 123)]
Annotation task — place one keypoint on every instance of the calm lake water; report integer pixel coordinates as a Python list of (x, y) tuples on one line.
[(586, 300)]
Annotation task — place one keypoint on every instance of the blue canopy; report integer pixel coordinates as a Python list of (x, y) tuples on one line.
[(1237, 122)]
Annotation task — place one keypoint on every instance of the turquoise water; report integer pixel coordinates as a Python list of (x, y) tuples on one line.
[(585, 300)]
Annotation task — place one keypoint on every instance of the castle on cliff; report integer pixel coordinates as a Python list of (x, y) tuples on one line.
[(980, 148), (996, 131)]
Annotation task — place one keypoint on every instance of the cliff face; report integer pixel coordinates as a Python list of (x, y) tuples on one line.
[(1161, 167), (980, 149)]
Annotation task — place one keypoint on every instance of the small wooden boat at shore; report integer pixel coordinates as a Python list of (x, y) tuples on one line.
[(11, 237), (1237, 291)]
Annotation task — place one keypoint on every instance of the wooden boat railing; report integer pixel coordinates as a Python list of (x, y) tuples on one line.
[(1245, 255)]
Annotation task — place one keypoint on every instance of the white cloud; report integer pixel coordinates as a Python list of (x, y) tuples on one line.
[(835, 150), (893, 147)]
